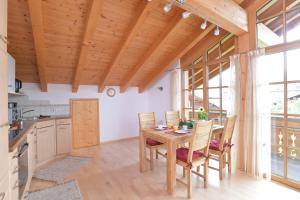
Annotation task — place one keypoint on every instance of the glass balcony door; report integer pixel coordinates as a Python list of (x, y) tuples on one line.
[(285, 104)]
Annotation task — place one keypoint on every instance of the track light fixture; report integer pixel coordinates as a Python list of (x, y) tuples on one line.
[(217, 31), (168, 7), (180, 2), (186, 14), (203, 25)]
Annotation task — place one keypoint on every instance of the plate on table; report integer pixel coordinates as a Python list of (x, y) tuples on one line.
[(182, 131), (160, 129)]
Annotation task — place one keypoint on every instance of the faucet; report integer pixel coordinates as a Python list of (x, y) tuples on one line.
[(27, 111)]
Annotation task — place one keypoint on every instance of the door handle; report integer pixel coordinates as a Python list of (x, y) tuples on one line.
[(4, 39)]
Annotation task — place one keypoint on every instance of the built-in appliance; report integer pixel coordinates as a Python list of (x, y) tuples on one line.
[(22, 165), (18, 85), (13, 114)]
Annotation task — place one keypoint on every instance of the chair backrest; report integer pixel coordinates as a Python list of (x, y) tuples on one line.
[(228, 130), (172, 118), (201, 138), (147, 120)]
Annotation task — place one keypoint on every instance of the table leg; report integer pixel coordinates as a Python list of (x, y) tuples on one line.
[(142, 153), (171, 167)]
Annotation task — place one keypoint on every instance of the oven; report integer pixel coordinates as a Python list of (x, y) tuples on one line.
[(22, 165)]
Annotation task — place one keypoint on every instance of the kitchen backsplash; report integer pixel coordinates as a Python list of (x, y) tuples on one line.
[(39, 107)]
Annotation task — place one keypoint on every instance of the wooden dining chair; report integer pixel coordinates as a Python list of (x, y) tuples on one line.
[(220, 149), (147, 120), (197, 154), (172, 118)]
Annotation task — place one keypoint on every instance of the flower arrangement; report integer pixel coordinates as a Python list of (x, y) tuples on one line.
[(202, 115)]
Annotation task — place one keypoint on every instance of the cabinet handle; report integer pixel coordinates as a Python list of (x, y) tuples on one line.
[(4, 39), (15, 156), (16, 170), (16, 185), (4, 125), (2, 195), (26, 196)]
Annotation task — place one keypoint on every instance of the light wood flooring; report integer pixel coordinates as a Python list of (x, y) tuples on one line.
[(114, 174)]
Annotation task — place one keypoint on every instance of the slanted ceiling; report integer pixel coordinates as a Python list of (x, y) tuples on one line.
[(112, 49)]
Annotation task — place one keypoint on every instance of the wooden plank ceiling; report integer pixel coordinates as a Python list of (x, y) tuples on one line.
[(98, 42)]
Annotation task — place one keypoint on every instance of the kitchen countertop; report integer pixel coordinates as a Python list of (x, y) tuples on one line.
[(27, 125)]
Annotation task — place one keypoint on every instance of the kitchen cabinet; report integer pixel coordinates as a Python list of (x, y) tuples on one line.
[(3, 24), (13, 175), (4, 114), (32, 141), (3, 151), (4, 191), (63, 136), (46, 141)]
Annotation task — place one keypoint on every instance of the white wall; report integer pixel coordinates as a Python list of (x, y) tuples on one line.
[(118, 114), (160, 101)]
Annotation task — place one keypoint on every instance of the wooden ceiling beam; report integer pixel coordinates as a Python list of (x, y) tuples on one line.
[(226, 14), (93, 15), (36, 16), (198, 50), (155, 47), (132, 30), (174, 57)]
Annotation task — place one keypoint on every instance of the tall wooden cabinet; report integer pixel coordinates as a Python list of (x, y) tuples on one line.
[(4, 179)]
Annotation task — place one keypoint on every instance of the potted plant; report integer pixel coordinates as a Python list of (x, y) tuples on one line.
[(202, 115)]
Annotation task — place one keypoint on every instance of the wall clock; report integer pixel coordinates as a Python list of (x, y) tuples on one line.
[(111, 92)]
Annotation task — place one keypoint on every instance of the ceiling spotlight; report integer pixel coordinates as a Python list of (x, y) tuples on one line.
[(217, 31), (186, 14), (168, 7), (204, 25), (180, 2)]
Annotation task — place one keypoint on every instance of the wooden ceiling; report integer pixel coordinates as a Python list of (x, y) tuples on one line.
[(98, 42)]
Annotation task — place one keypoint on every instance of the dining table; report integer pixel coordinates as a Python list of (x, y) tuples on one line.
[(171, 139)]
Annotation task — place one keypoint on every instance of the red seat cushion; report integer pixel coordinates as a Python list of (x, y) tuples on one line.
[(215, 145), (152, 142), (182, 154)]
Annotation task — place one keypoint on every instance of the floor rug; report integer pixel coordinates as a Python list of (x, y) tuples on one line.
[(67, 191), (60, 169)]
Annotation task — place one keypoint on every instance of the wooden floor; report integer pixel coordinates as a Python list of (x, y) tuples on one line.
[(114, 174)]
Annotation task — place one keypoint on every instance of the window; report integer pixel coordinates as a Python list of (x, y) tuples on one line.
[(215, 65), (278, 22)]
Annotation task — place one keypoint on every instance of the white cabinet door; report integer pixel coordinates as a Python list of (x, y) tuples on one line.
[(3, 151), (63, 139), (3, 24), (46, 143), (4, 190), (3, 88), (13, 175)]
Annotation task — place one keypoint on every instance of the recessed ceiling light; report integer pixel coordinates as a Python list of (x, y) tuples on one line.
[(204, 25), (168, 7), (217, 31), (186, 14)]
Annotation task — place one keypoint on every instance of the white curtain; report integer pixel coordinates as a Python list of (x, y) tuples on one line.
[(234, 105), (257, 119), (176, 87)]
